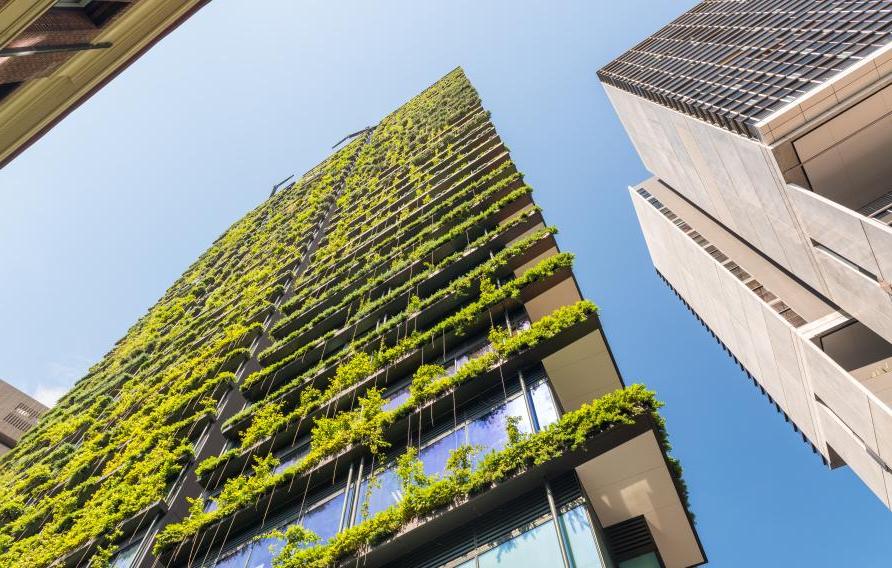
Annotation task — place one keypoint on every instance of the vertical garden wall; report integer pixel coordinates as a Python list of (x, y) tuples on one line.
[(273, 366)]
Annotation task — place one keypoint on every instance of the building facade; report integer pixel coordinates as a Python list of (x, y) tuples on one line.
[(20, 413), (54, 54), (388, 362), (767, 126)]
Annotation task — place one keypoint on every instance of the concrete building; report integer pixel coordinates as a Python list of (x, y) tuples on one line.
[(325, 365), (54, 54), (20, 413), (767, 125)]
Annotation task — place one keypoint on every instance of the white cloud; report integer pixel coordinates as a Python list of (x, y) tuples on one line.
[(59, 377), (48, 395)]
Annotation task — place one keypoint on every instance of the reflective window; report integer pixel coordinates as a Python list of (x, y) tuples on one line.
[(435, 455), (536, 548), (263, 551), (325, 519), (290, 459), (460, 362), (489, 431), (543, 404), (648, 560), (386, 491), (125, 558), (235, 560), (397, 398), (581, 539)]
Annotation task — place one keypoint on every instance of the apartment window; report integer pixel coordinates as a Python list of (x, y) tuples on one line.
[(535, 548), (580, 536), (648, 560), (435, 455), (396, 398), (260, 554), (236, 559), (126, 556), (324, 519), (379, 492), (543, 404), (487, 430), (537, 544), (291, 457)]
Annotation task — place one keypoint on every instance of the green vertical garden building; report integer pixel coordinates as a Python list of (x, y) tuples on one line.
[(388, 363)]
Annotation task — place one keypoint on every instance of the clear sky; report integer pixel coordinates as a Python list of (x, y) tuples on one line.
[(104, 212)]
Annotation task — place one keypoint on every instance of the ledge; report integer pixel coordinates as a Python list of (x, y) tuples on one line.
[(442, 404), (293, 492)]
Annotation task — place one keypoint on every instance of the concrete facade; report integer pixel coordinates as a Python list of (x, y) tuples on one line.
[(780, 242), (20, 413)]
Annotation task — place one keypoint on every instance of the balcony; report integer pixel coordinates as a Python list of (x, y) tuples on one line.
[(829, 374), (854, 253)]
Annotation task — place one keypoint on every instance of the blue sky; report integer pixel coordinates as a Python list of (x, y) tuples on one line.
[(104, 212)]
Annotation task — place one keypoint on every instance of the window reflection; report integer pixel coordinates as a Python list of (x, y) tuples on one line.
[(490, 430), (235, 560), (125, 558), (536, 548), (325, 519), (583, 549), (434, 456), (543, 404), (387, 490), (210, 501), (263, 551), (397, 398), (290, 459)]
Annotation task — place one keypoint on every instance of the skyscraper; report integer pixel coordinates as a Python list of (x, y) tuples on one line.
[(388, 363), (54, 54), (20, 413), (767, 125)]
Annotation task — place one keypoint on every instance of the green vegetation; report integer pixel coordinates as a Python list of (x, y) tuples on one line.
[(339, 274), (423, 495), (367, 423)]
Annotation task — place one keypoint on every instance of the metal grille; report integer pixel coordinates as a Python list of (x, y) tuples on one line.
[(734, 62), (879, 209), (17, 422), (629, 539), (756, 287)]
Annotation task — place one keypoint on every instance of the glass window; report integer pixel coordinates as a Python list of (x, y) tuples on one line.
[(125, 558), (536, 548), (648, 560), (581, 539), (289, 460), (397, 398), (489, 431), (263, 551), (387, 491), (461, 362), (435, 455), (235, 560), (543, 404), (325, 519)]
